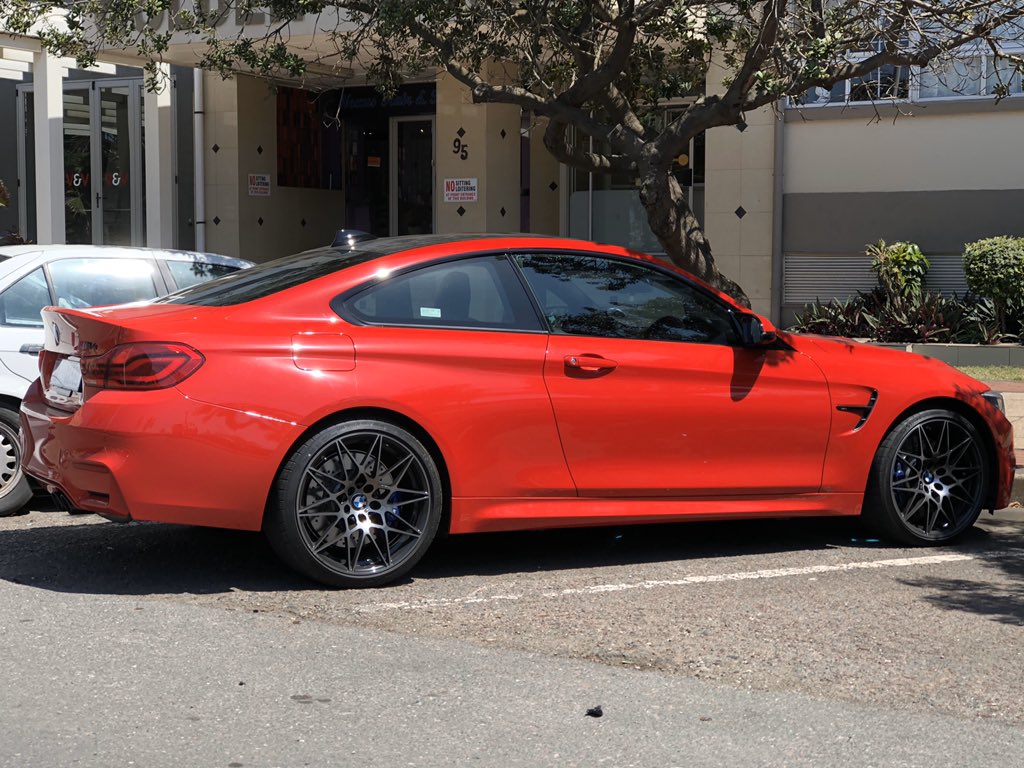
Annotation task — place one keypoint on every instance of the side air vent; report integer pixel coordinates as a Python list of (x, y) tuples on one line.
[(862, 410)]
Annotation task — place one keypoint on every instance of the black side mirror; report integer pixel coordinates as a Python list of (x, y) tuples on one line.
[(752, 331)]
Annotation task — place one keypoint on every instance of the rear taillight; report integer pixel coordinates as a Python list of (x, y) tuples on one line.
[(141, 365)]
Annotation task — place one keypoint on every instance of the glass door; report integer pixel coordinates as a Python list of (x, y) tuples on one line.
[(78, 171), (116, 183), (104, 189), (412, 175)]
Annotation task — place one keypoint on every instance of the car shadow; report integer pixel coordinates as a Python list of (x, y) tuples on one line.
[(142, 559), (154, 558), (999, 592)]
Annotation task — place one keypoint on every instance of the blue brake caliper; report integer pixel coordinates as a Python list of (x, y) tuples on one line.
[(391, 515)]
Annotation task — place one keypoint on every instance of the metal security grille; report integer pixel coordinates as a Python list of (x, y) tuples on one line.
[(946, 274), (808, 277)]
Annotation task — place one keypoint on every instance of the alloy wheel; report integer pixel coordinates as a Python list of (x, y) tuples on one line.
[(363, 502), (936, 478)]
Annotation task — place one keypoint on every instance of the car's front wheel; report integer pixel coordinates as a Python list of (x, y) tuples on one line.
[(356, 505), (928, 479), (15, 491)]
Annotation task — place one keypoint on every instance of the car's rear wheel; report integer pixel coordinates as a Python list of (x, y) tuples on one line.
[(15, 491), (356, 505), (928, 479)]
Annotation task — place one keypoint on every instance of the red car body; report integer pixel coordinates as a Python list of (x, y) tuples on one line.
[(531, 429)]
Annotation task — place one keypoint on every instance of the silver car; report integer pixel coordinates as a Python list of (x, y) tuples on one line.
[(37, 276)]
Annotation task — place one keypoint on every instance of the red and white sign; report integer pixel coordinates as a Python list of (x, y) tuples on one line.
[(259, 185), (460, 190)]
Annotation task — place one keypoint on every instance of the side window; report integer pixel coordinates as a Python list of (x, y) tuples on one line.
[(480, 292), (99, 282), (595, 296), (189, 273), (22, 303)]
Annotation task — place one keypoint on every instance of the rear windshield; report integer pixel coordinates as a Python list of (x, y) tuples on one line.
[(271, 277)]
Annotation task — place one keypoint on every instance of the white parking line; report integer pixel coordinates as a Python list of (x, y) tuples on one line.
[(768, 573)]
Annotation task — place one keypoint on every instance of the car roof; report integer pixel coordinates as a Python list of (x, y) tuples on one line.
[(403, 251), (120, 252), (18, 260), (402, 244)]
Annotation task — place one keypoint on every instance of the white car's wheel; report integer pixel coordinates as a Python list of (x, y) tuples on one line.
[(15, 491)]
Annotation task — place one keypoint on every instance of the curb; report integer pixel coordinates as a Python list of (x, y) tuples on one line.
[(1017, 494)]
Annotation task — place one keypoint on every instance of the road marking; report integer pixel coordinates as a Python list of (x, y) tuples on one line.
[(594, 589)]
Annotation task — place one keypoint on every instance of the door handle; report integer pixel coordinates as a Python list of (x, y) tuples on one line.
[(31, 349), (589, 363)]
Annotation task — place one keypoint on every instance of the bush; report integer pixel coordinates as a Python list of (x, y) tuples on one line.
[(836, 318), (994, 268), (899, 267), (928, 317)]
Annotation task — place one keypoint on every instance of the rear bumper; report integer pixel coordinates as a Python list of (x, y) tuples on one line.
[(156, 456)]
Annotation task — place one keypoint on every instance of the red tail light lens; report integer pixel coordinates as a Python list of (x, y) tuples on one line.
[(141, 365)]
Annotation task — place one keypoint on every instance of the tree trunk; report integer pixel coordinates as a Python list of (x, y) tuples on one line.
[(679, 232)]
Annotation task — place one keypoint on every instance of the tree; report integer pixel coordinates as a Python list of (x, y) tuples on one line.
[(595, 69)]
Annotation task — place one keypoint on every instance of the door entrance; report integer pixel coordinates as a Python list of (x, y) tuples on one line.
[(388, 157), (104, 189), (412, 175)]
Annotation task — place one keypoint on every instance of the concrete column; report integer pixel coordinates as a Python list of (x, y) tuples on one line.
[(49, 141), (739, 197), (159, 163), (488, 134)]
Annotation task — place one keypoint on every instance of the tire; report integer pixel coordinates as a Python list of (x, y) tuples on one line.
[(928, 478), (15, 491), (356, 505)]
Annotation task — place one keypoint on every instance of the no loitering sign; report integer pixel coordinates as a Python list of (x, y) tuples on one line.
[(460, 190)]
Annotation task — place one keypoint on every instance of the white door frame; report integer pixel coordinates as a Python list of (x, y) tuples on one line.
[(393, 169), (134, 86)]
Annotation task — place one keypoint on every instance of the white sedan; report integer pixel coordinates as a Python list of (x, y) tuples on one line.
[(36, 276)]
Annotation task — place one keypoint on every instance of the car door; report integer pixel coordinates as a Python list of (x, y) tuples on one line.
[(457, 347), (21, 331), (654, 394)]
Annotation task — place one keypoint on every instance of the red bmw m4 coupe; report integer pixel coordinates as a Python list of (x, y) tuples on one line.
[(351, 401)]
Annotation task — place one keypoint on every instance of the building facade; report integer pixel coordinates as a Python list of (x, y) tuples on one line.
[(789, 198)]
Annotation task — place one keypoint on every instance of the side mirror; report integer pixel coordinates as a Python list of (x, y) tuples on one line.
[(753, 333)]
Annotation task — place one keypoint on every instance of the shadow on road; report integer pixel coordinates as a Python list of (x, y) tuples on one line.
[(151, 558), (1001, 596), (142, 559)]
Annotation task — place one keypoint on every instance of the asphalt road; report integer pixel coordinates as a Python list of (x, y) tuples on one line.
[(752, 643)]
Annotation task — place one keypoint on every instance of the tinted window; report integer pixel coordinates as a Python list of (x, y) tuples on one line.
[(99, 282), (189, 273), (22, 302), (481, 292), (593, 296)]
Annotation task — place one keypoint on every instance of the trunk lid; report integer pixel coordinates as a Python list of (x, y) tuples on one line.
[(74, 335)]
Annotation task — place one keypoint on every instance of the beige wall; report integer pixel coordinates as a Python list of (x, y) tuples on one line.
[(740, 173), (220, 107), (910, 153), (493, 159), (241, 119), (545, 184)]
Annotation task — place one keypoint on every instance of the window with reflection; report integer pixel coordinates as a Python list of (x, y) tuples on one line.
[(481, 292), (22, 303), (595, 296), (101, 282)]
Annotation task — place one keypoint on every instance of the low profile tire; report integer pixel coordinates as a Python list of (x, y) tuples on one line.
[(928, 478), (15, 491), (356, 505)]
